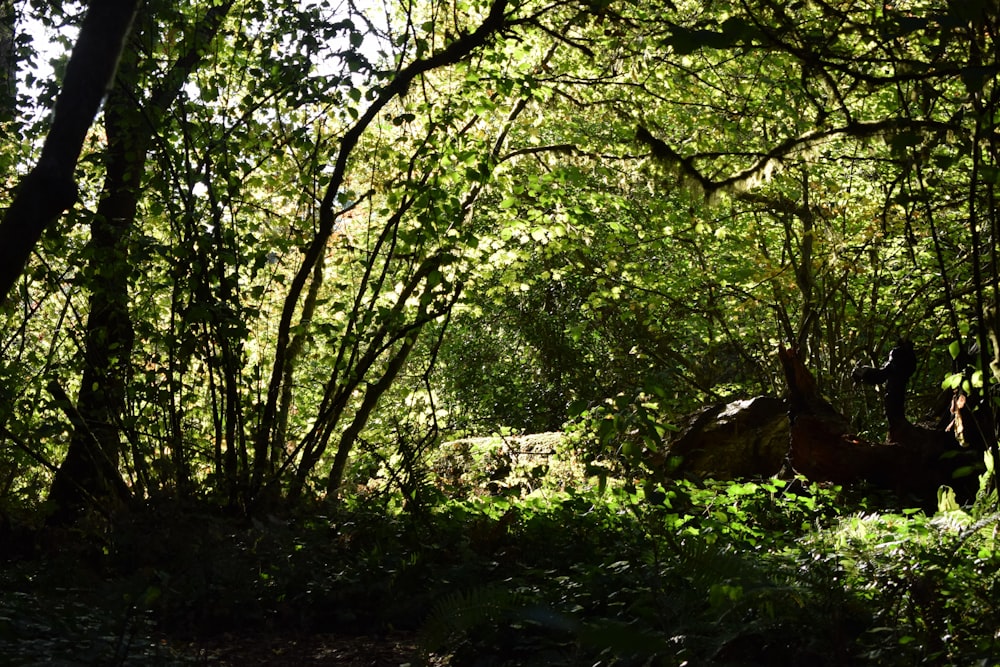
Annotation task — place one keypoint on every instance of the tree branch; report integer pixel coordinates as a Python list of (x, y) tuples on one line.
[(761, 170)]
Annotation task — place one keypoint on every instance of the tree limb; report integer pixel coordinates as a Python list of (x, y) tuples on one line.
[(761, 170)]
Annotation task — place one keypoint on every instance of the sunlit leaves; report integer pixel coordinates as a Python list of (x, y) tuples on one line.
[(588, 269)]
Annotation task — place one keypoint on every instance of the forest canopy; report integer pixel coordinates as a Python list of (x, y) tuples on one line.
[(301, 243)]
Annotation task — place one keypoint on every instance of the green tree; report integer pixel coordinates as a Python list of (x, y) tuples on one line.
[(132, 118)]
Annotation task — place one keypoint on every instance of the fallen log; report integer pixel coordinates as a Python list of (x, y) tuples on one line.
[(742, 439), (914, 460)]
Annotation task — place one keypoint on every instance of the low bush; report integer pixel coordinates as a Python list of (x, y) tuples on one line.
[(767, 573)]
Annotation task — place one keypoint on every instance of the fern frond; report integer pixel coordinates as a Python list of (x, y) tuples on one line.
[(459, 613)]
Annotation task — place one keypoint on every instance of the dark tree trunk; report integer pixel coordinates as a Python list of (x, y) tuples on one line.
[(894, 375), (823, 445), (740, 439), (49, 189), (90, 469), (109, 336), (8, 61)]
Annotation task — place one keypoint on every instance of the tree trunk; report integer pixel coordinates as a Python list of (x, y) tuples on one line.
[(8, 61), (371, 399), (893, 375), (823, 445), (102, 401), (109, 337), (49, 189)]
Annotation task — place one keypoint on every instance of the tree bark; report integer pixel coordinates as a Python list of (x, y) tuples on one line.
[(109, 337), (8, 61), (49, 189)]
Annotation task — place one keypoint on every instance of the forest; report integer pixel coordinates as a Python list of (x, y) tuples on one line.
[(499, 332)]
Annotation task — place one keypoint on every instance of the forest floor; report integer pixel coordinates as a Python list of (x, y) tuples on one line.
[(754, 573), (74, 626), (72, 606), (284, 648)]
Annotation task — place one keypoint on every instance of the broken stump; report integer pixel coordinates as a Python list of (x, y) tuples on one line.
[(913, 461)]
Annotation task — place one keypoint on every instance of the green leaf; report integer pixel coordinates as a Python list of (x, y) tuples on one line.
[(953, 381)]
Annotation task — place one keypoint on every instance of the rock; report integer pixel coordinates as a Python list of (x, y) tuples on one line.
[(503, 464)]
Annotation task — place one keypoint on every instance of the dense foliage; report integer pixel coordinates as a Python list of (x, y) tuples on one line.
[(312, 244), (302, 230), (752, 573)]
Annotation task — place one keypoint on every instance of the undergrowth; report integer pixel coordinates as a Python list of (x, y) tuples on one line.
[(765, 573)]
